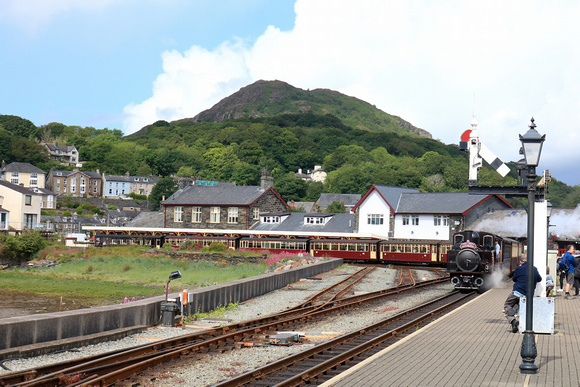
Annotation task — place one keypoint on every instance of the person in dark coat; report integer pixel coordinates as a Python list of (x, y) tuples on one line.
[(511, 304), (571, 262)]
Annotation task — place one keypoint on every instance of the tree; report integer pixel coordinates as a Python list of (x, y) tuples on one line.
[(335, 208), (26, 151), (164, 188), (290, 187)]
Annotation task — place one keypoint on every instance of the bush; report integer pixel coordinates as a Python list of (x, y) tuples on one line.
[(22, 247), (66, 213), (79, 211), (216, 247), (111, 207)]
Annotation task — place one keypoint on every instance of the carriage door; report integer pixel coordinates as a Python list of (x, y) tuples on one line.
[(434, 249), (373, 250)]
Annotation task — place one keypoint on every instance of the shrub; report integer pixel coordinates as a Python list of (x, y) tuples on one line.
[(216, 247), (66, 213), (79, 211), (25, 245), (111, 207)]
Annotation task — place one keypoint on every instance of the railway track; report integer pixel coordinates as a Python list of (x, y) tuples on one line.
[(320, 363), (105, 369)]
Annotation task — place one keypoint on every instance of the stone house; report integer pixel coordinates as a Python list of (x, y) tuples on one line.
[(66, 154), (220, 207), (75, 183)]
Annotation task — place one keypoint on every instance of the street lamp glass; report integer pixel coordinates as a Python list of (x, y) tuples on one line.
[(532, 143), (549, 209)]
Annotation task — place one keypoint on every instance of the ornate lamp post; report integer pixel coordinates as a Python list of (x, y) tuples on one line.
[(532, 143)]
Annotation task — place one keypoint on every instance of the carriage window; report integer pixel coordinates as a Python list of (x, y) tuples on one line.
[(408, 248), (488, 240)]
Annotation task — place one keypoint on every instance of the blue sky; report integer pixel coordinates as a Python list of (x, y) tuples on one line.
[(127, 63)]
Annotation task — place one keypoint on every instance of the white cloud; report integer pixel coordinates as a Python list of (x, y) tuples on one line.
[(421, 61)]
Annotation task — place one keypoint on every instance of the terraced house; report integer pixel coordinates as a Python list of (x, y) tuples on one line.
[(223, 206), (75, 183)]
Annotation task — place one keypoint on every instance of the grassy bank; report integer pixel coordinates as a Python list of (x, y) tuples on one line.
[(116, 273)]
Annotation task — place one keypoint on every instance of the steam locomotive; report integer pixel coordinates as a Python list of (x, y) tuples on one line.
[(471, 261)]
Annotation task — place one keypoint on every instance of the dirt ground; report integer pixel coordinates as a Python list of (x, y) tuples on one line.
[(20, 304)]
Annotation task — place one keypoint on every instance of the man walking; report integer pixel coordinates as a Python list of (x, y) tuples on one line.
[(519, 290)]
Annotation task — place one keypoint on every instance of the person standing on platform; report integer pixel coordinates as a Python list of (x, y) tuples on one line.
[(562, 272), (571, 263), (512, 302)]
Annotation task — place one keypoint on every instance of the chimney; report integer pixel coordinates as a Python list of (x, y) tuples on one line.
[(266, 181), (127, 174), (98, 171)]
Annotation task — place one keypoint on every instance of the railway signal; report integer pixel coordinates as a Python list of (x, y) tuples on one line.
[(478, 151)]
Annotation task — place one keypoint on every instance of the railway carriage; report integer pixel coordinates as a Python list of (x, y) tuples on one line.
[(358, 249), (352, 247)]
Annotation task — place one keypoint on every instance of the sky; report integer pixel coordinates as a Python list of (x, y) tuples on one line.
[(124, 64)]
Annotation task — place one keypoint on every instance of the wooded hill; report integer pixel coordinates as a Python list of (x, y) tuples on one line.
[(275, 126)]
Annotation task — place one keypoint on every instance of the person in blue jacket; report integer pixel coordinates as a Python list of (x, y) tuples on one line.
[(519, 290), (571, 262)]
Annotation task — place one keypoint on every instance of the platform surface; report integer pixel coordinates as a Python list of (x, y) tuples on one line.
[(474, 346)]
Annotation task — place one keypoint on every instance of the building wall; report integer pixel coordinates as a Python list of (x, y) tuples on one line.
[(24, 178), (115, 188), (268, 202), (63, 185), (14, 202), (373, 204), (426, 229)]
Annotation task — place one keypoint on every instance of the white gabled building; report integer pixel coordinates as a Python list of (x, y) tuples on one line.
[(404, 213), (375, 211)]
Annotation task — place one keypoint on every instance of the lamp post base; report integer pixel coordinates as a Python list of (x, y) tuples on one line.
[(529, 353)]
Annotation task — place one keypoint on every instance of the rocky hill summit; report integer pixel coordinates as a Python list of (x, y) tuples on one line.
[(271, 98)]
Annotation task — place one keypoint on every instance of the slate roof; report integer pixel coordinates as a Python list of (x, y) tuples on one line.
[(437, 202), (307, 206), (347, 199), (43, 191), (220, 195), (389, 193), (22, 167), (62, 148), (148, 219), (93, 175), (295, 222), (17, 188)]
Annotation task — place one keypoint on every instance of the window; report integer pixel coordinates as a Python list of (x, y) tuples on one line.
[(110, 191), (440, 220), (256, 213), (375, 219), (178, 214), (28, 200), (196, 215), (314, 220), (415, 220), (33, 179), (57, 181), (437, 220), (214, 215), (270, 219), (15, 178), (94, 182), (233, 215), (95, 190), (405, 220)]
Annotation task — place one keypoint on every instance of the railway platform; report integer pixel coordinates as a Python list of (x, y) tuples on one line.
[(474, 346)]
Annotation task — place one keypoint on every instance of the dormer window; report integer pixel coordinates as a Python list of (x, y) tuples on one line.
[(270, 219), (309, 220)]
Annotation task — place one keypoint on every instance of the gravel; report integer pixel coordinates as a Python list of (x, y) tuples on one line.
[(208, 369)]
